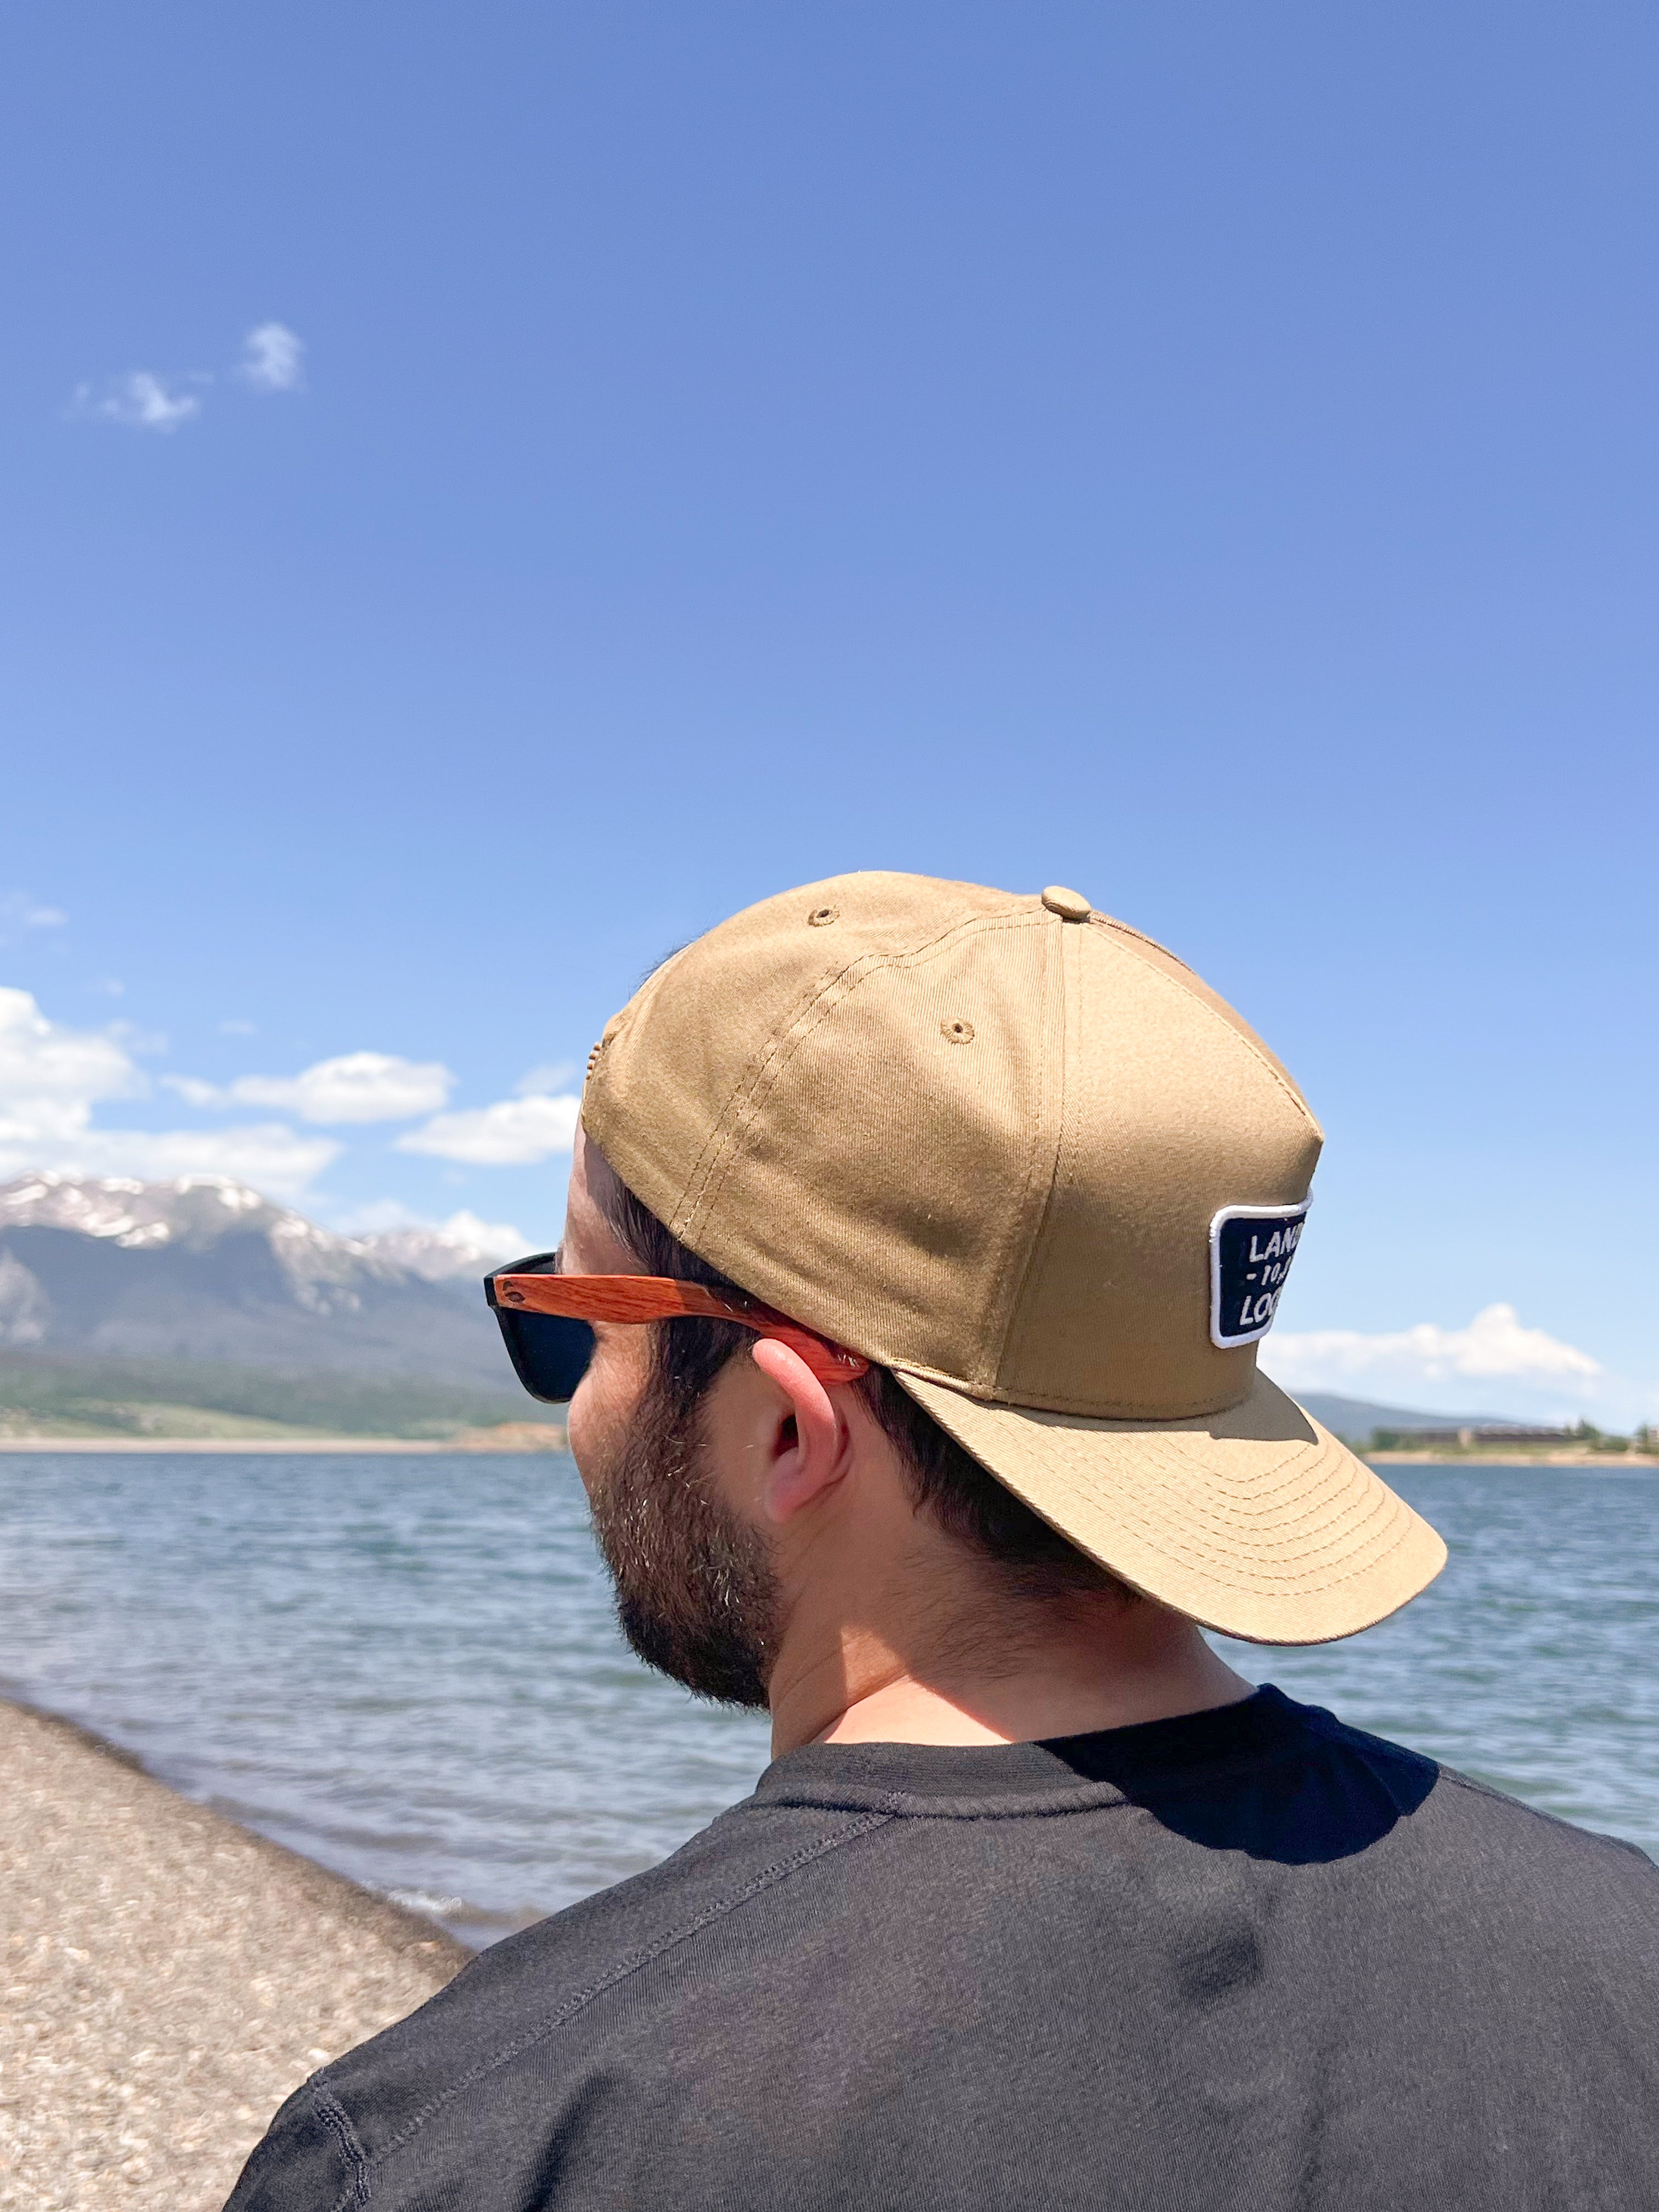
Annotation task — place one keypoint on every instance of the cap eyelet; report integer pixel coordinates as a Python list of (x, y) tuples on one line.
[(822, 916), (957, 1032)]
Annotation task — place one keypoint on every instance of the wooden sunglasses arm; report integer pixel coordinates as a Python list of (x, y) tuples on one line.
[(636, 1298), (614, 1298)]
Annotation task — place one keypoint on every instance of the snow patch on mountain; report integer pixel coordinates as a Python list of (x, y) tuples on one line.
[(196, 1210), (444, 1251), (204, 1267)]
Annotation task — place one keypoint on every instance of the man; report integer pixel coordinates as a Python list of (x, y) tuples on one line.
[(974, 1209)]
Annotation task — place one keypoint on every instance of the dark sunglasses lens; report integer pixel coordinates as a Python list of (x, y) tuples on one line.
[(549, 1353)]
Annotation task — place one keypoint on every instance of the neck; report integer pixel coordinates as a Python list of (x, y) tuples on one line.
[(993, 1674)]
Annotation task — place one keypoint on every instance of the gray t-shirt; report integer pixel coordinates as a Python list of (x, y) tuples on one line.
[(1250, 1959)]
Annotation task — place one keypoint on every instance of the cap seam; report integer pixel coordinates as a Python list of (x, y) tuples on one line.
[(695, 1198), (1266, 1584), (1067, 1476), (1127, 929), (1085, 1408), (1216, 1564), (744, 1107), (1241, 1035), (1034, 1244), (694, 1191)]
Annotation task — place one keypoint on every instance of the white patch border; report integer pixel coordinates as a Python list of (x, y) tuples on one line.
[(1217, 1221)]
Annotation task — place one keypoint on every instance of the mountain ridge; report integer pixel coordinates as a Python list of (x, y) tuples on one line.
[(138, 1216), (206, 1268), (117, 1295), (200, 1292), (1356, 1420)]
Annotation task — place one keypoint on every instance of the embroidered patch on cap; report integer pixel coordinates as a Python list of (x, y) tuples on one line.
[(1250, 1252)]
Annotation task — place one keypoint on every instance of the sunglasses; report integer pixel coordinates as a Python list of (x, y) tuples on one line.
[(547, 1321)]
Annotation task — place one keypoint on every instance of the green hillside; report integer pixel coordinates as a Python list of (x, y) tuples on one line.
[(65, 1395)]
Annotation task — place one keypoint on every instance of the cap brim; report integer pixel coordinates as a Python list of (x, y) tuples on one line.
[(1256, 1521)]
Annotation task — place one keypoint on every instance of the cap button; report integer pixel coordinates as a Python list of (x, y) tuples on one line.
[(1070, 906)]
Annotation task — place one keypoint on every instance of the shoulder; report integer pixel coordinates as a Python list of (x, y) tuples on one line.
[(487, 2036), (1473, 1842)]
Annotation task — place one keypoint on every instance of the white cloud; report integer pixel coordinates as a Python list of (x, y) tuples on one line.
[(51, 1078), (491, 1240), (1496, 1346), (131, 1038), (193, 1090), (357, 1086), (273, 1159), (23, 911), (513, 1133), (139, 399), (376, 1218), (442, 1251), (273, 359), (546, 1077)]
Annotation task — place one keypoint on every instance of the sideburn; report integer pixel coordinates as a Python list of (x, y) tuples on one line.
[(697, 1597)]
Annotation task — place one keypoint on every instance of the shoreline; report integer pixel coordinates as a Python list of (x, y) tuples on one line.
[(171, 1976), (1590, 1462), (232, 1444), (482, 1447)]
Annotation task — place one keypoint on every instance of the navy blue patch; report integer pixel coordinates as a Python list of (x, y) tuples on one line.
[(1250, 1252)]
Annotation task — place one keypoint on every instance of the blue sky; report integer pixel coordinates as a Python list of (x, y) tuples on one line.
[(1204, 455)]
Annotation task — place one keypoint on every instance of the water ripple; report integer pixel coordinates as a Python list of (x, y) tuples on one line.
[(407, 1668)]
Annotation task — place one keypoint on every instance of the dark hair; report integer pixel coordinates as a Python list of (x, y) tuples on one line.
[(964, 1497)]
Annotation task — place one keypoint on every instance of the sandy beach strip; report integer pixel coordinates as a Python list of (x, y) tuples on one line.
[(168, 1980)]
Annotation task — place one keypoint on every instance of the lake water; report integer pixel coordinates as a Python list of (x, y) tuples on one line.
[(406, 1667)]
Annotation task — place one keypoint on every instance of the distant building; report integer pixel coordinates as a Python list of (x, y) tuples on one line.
[(1489, 1432)]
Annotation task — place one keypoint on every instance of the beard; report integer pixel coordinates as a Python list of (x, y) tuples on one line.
[(696, 1596)]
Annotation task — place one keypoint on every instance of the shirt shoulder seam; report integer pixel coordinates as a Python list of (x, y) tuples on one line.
[(1549, 1820), (362, 2184), (334, 2118)]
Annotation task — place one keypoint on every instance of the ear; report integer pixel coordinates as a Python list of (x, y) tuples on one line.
[(809, 1454)]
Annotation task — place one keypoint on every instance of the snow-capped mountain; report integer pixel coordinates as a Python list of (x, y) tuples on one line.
[(461, 1248), (206, 1269)]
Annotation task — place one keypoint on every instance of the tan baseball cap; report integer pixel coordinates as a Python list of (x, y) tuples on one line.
[(1019, 1153)]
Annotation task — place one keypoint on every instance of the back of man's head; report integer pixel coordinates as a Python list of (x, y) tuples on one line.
[(1049, 1185)]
